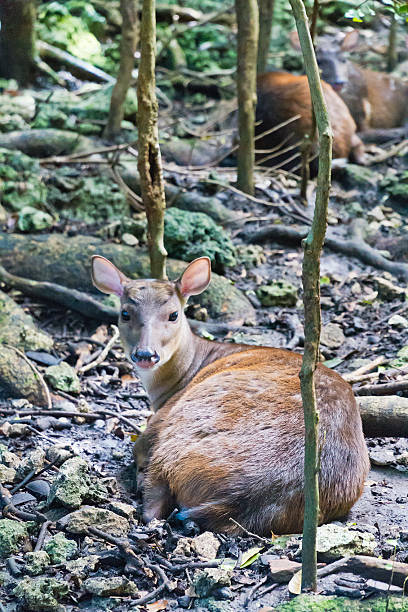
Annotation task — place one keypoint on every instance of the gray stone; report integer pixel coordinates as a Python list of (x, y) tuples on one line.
[(115, 585), (382, 457), (332, 336), (63, 378), (87, 516), (336, 541), (71, 485), (206, 545), (33, 461), (388, 291)]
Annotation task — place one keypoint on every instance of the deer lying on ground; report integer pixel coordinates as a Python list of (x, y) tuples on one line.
[(227, 437), (376, 100), (283, 96)]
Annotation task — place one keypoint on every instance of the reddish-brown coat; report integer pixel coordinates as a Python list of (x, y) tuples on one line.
[(283, 95), (231, 445)]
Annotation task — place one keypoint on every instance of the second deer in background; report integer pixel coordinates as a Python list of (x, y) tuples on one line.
[(281, 98), (376, 100)]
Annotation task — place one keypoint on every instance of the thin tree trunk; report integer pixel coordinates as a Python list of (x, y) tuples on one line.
[(311, 287), (129, 12), (306, 147), (392, 55), (266, 8), (248, 26), (149, 162), (17, 40)]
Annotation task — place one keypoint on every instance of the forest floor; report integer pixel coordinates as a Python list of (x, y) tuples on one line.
[(72, 537)]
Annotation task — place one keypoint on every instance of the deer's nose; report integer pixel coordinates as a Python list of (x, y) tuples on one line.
[(146, 356)]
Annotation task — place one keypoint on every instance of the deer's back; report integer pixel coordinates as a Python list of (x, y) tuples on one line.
[(282, 96)]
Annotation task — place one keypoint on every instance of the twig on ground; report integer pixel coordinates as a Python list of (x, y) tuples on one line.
[(253, 590), (41, 536), (35, 473), (386, 389), (104, 353), (266, 541), (365, 369)]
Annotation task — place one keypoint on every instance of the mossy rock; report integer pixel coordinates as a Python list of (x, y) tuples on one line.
[(18, 328), (13, 534), (359, 175), (18, 379), (277, 293), (67, 261), (51, 117), (92, 199), (22, 105), (11, 122), (41, 594), (319, 603), (63, 377), (60, 549), (189, 235)]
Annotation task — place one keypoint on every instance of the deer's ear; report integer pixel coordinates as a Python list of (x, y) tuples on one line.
[(106, 277), (195, 278), (350, 41)]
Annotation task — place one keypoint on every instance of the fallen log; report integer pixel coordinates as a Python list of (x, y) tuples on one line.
[(56, 258), (353, 247), (78, 67), (384, 416), (45, 142), (384, 570)]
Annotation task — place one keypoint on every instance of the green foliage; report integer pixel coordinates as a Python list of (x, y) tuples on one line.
[(208, 47), (92, 199), (72, 26), (31, 219), (188, 235)]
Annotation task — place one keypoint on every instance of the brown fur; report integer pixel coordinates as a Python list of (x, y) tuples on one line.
[(231, 445), (281, 96), (375, 99), (227, 437)]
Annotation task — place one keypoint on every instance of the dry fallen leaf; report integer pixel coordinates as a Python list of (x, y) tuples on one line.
[(295, 584), (157, 605)]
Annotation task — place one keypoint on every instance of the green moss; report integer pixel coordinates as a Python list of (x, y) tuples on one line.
[(41, 594), (63, 377), (12, 535), (277, 293), (317, 603), (93, 199), (188, 235), (60, 549), (18, 329)]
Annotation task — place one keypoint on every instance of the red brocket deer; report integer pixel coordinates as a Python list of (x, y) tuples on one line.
[(227, 437), (282, 96), (376, 100)]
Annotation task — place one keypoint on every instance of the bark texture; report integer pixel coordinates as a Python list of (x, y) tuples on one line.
[(266, 8), (149, 162), (128, 43), (17, 40), (311, 286), (248, 29)]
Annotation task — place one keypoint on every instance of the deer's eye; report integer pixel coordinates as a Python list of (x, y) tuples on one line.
[(125, 315), (173, 316)]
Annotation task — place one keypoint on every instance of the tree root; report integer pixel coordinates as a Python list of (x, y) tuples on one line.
[(354, 247), (384, 416)]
